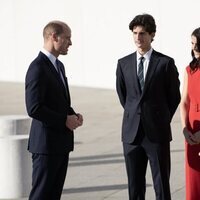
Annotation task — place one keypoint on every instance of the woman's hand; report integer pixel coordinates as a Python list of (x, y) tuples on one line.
[(189, 137), (196, 137)]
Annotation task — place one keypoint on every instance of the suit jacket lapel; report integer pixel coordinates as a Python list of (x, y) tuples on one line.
[(154, 60), (135, 77), (56, 75), (65, 79), (51, 66)]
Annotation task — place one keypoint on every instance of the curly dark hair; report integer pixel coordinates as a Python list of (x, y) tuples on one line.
[(195, 63), (145, 20)]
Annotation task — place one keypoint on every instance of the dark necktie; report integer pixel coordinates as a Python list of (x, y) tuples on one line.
[(141, 73), (58, 66)]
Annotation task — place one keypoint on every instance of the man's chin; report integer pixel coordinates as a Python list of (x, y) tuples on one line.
[(63, 53), (140, 46)]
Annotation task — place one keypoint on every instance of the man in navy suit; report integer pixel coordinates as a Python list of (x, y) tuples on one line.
[(53, 119), (148, 89)]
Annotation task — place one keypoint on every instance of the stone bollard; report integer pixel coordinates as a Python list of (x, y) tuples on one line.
[(15, 161)]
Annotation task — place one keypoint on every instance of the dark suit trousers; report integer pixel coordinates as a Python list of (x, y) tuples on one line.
[(136, 158), (49, 172)]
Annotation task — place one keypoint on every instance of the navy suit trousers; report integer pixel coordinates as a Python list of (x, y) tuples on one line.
[(137, 156), (49, 172)]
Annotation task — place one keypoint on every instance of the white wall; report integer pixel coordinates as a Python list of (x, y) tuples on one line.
[(100, 34)]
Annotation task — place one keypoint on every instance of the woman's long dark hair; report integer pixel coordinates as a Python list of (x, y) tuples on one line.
[(195, 63)]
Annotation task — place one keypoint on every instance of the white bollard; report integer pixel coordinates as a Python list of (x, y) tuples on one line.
[(14, 125), (15, 160)]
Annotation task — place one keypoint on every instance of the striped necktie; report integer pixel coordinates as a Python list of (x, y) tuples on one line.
[(141, 73)]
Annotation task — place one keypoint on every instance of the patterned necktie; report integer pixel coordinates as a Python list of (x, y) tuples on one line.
[(141, 73)]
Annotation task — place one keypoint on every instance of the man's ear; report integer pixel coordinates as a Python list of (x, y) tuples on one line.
[(54, 37)]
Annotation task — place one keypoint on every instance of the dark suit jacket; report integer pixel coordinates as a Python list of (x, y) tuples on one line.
[(48, 103), (156, 105)]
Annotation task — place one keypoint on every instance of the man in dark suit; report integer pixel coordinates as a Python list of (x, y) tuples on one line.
[(48, 103), (148, 89)]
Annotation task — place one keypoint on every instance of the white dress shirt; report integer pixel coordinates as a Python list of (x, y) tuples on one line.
[(146, 60)]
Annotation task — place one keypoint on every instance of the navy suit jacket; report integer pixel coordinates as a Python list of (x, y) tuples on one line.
[(48, 103), (156, 105)]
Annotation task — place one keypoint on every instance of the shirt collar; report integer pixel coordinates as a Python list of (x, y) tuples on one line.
[(147, 55), (51, 57)]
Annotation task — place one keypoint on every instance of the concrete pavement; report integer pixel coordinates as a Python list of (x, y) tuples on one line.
[(96, 169)]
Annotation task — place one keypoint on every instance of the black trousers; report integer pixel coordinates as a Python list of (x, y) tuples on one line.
[(48, 176), (137, 156)]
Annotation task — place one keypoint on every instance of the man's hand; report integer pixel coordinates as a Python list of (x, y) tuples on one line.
[(74, 121), (80, 119)]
